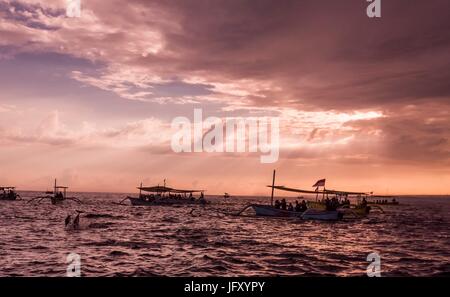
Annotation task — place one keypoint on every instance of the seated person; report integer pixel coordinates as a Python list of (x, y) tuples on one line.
[(290, 207), (297, 207), (303, 207), (277, 204), (283, 204), (364, 202)]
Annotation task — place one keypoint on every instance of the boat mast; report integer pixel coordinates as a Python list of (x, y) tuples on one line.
[(54, 189), (323, 195), (273, 187)]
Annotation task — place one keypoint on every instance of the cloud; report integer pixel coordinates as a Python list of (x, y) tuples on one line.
[(302, 54), (348, 89), (54, 132)]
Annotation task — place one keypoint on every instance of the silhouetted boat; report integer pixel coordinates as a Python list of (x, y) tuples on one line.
[(308, 214), (162, 195), (8, 193), (58, 195), (383, 200), (226, 195)]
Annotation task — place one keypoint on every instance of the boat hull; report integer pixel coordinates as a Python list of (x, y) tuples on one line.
[(8, 197), (322, 215), (309, 214), (165, 201), (269, 211)]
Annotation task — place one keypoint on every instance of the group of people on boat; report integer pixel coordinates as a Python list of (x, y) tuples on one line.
[(386, 201), (159, 196), (298, 207), (8, 194), (334, 203)]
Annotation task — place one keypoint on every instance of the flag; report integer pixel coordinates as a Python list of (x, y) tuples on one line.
[(320, 183)]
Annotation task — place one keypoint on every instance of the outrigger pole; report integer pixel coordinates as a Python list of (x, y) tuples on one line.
[(273, 188)]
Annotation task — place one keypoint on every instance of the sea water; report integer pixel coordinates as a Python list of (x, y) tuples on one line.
[(412, 239)]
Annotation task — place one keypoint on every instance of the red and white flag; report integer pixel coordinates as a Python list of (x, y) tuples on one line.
[(320, 183)]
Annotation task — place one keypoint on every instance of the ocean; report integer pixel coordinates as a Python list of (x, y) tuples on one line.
[(412, 239)]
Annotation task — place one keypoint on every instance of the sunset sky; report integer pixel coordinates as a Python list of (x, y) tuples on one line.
[(364, 103)]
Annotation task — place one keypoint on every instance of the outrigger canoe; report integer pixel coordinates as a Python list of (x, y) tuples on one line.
[(58, 196), (165, 196), (164, 201), (317, 210), (8, 193)]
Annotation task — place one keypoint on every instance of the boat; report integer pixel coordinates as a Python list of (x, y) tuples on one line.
[(58, 195), (383, 200), (226, 195), (9, 194), (339, 200), (270, 211), (309, 214), (323, 215), (305, 214), (165, 196)]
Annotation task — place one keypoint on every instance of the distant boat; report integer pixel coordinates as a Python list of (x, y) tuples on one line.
[(165, 196), (226, 195), (383, 200), (58, 195), (8, 193)]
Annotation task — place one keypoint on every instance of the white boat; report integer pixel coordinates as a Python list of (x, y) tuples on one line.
[(329, 210), (334, 208)]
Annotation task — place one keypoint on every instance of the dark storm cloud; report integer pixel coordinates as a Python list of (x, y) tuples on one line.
[(323, 54)]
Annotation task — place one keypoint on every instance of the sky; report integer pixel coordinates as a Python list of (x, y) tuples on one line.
[(363, 102)]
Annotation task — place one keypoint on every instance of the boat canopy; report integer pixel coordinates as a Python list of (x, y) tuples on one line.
[(382, 196), (283, 188), (161, 189), (7, 188)]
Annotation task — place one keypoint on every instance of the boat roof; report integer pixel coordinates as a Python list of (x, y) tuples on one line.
[(61, 187), (7, 188), (345, 192), (283, 188), (382, 196), (161, 189)]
